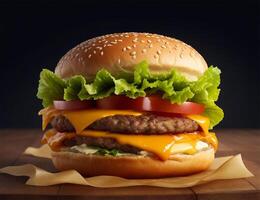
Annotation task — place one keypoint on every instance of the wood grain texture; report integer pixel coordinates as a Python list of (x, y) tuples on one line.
[(12, 187), (232, 142), (135, 192)]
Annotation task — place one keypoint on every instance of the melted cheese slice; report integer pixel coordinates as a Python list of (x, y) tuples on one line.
[(80, 119), (161, 145), (83, 118), (202, 121)]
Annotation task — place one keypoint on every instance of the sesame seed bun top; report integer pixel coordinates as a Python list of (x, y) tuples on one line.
[(120, 52)]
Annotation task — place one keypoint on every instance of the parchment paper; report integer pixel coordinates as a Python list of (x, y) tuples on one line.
[(230, 167)]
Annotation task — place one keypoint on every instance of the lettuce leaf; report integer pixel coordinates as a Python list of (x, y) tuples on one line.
[(106, 152), (50, 88), (173, 86), (206, 92), (73, 88), (214, 113), (206, 88), (101, 87)]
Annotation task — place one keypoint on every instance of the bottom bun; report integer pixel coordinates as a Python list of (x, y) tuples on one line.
[(133, 166)]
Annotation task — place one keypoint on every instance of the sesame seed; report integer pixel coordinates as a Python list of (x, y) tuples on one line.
[(101, 53), (104, 45), (119, 61), (124, 49), (134, 40), (113, 42), (163, 46), (94, 52), (134, 45), (89, 56), (166, 42), (126, 35), (150, 46), (99, 48), (128, 47), (120, 40), (144, 50), (142, 41), (93, 44), (156, 56), (133, 53), (106, 42), (159, 52), (86, 50), (109, 45), (76, 55), (134, 57), (149, 41)]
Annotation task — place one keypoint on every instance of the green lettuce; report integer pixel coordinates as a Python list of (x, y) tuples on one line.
[(106, 152), (173, 87), (50, 88)]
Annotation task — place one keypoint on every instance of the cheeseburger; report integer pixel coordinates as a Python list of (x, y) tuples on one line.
[(134, 105)]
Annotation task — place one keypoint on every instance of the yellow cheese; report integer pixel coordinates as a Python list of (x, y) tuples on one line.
[(80, 119), (161, 145), (83, 118), (176, 149), (202, 121)]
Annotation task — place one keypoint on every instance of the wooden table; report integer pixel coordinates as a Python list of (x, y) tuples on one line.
[(13, 143)]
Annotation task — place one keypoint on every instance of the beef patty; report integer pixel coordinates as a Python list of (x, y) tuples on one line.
[(106, 143), (129, 124)]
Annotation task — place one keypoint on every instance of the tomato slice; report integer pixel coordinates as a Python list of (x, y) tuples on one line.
[(149, 103), (73, 105)]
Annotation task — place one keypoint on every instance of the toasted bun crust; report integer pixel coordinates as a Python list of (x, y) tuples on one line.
[(119, 53), (133, 166)]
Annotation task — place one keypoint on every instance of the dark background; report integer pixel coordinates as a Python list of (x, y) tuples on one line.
[(34, 36)]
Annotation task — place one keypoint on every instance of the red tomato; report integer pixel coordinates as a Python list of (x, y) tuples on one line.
[(73, 105), (149, 103)]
